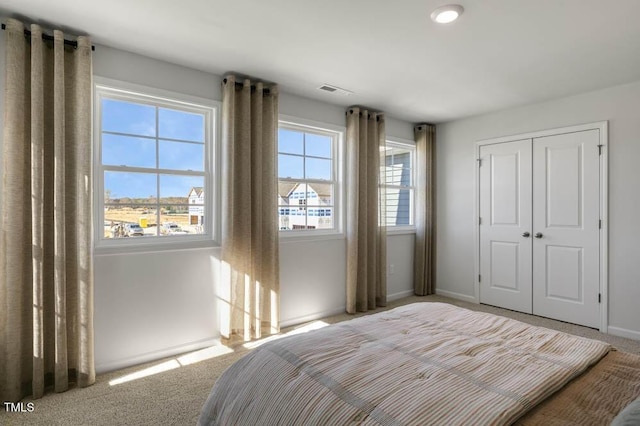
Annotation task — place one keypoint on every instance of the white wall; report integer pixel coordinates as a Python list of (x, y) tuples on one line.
[(455, 190), (313, 282), (400, 265), (156, 304), (151, 305)]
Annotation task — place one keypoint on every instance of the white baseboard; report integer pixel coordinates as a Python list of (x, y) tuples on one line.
[(336, 311), (311, 317), (458, 296), (623, 332), (399, 295), (153, 356)]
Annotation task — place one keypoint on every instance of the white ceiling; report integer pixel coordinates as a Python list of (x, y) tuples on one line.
[(499, 54)]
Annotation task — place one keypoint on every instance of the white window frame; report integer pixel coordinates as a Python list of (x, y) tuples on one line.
[(411, 146), (337, 133), (114, 89)]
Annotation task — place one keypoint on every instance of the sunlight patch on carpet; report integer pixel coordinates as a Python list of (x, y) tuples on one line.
[(204, 354), (305, 328), (150, 371), (180, 361)]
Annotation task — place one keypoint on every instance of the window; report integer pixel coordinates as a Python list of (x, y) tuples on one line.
[(397, 164), (153, 167), (308, 176)]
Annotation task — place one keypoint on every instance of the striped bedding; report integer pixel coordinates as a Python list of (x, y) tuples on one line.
[(421, 364)]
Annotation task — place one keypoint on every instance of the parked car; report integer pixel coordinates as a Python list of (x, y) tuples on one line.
[(133, 229), (171, 228)]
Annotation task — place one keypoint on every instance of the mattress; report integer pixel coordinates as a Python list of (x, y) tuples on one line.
[(424, 363)]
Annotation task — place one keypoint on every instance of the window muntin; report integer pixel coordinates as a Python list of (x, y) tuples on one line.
[(153, 167), (307, 178), (397, 164)]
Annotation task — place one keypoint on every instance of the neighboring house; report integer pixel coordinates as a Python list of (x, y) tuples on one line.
[(196, 206), (305, 206), (283, 205)]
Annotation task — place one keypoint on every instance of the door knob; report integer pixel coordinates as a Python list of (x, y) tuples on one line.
[(526, 234), (538, 235)]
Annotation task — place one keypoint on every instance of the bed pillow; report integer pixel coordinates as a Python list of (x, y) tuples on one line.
[(630, 416)]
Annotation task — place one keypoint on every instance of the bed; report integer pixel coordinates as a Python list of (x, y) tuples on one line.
[(425, 364)]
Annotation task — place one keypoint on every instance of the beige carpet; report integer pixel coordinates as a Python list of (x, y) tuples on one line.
[(174, 397)]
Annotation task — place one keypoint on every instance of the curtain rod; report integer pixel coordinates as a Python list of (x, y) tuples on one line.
[(71, 43), (239, 84)]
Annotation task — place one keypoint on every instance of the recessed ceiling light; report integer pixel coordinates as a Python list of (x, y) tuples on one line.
[(447, 14)]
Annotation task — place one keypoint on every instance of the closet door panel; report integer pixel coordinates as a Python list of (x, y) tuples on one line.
[(505, 211), (566, 213)]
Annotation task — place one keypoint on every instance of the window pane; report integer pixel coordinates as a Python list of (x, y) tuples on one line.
[(174, 124), (153, 165), (306, 157), (179, 189), (128, 117), (181, 156), (122, 221), (128, 151), (399, 206), (128, 187), (397, 166), (317, 145), (318, 169), (396, 163), (290, 141), (290, 166), (397, 175), (305, 205)]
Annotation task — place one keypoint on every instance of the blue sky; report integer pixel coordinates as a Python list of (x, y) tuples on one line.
[(138, 135), (292, 145), (137, 148)]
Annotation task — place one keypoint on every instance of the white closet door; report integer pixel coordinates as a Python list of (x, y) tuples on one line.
[(505, 211), (566, 215)]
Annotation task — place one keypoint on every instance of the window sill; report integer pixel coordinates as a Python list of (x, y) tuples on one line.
[(294, 237), (401, 230), (152, 247)]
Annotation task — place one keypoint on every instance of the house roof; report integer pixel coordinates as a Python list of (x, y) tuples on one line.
[(285, 188), (322, 189), (198, 190)]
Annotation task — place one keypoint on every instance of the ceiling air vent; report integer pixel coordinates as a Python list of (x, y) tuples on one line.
[(333, 89)]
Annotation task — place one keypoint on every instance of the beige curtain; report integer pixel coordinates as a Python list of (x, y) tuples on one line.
[(366, 233), (46, 276), (424, 256), (250, 285)]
